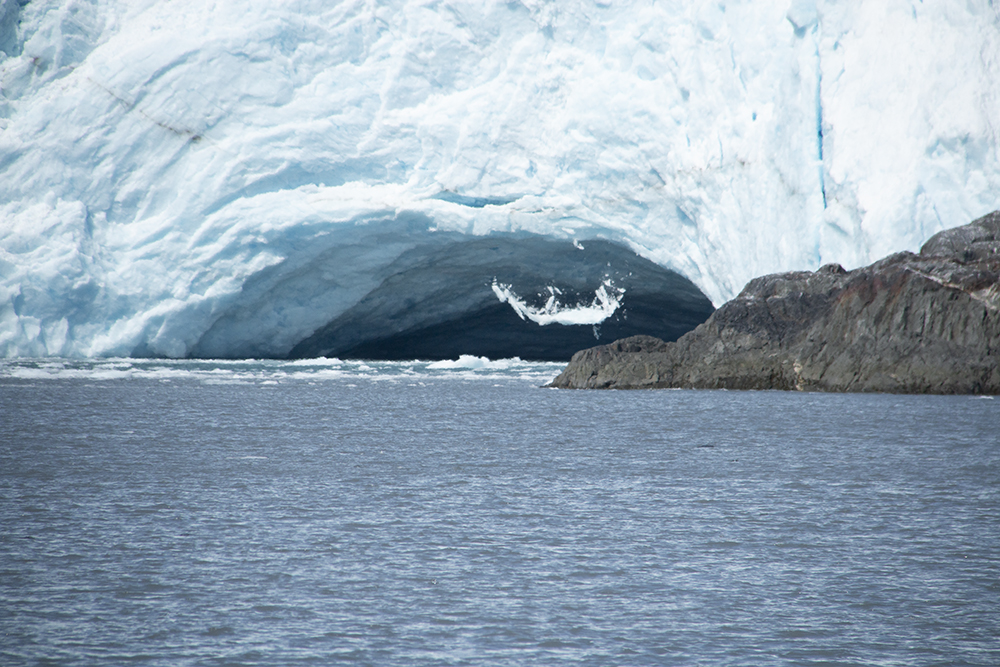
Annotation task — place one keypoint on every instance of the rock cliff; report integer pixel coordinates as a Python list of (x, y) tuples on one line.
[(909, 323)]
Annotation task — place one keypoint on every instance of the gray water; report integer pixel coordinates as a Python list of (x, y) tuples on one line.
[(191, 513)]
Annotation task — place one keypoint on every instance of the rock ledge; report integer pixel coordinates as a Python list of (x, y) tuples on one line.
[(909, 323)]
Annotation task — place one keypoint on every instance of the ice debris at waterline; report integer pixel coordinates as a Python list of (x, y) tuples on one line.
[(165, 167), (500, 296), (275, 371), (927, 323)]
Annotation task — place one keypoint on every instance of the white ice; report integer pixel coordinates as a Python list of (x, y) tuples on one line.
[(469, 361), (270, 372), (251, 168), (606, 300)]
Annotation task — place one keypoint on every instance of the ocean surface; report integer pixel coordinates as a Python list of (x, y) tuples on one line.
[(456, 513)]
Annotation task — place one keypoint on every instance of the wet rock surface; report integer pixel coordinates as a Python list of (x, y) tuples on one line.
[(909, 323)]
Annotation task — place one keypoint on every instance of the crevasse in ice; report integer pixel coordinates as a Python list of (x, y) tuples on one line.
[(165, 165)]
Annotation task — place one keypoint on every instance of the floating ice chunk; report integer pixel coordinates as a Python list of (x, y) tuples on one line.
[(469, 361), (607, 298)]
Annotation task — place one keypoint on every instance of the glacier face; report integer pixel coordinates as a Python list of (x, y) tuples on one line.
[(253, 167), (443, 301)]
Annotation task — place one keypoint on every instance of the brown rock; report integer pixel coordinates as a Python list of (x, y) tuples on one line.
[(927, 323)]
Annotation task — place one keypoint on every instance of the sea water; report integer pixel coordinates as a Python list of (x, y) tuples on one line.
[(457, 513)]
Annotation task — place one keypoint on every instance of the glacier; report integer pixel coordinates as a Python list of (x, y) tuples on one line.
[(446, 300), (254, 168)]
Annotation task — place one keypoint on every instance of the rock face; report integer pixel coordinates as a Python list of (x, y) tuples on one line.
[(927, 323), (440, 302)]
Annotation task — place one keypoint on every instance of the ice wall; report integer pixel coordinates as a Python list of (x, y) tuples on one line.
[(167, 165)]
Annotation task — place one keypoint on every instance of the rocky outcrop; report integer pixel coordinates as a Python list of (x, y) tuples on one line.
[(909, 323)]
